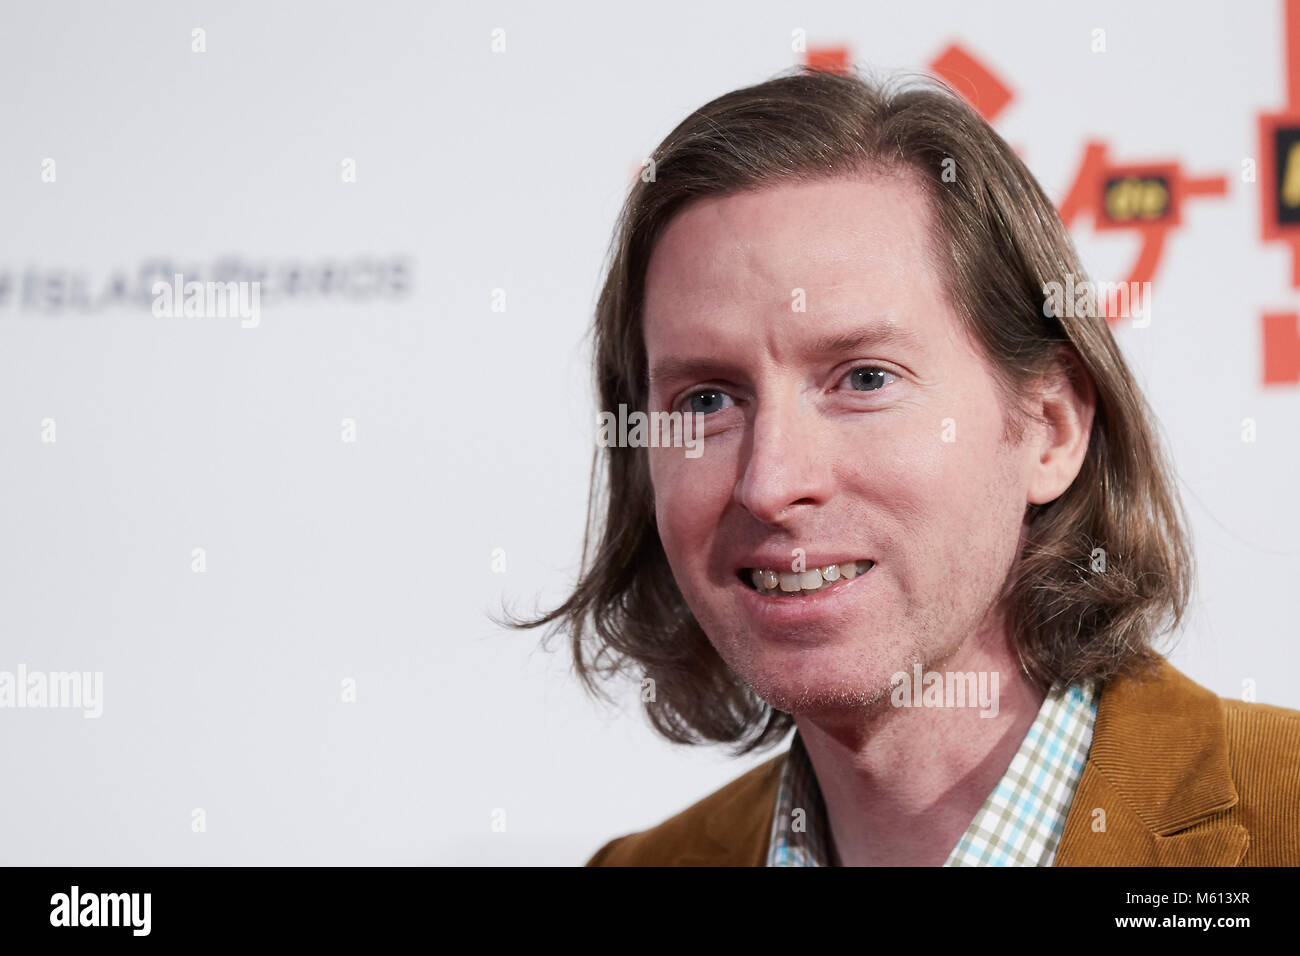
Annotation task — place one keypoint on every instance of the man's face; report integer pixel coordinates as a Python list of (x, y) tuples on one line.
[(762, 310)]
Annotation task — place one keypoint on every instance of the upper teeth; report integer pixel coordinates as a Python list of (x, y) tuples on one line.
[(766, 579)]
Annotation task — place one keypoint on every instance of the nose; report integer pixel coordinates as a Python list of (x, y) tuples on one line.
[(787, 467)]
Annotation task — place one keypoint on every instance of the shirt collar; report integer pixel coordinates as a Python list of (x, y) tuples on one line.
[(1021, 820)]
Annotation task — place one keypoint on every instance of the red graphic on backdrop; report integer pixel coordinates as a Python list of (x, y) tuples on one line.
[(1145, 198), (832, 59), (1279, 154), (1281, 348), (973, 80), (1279, 193)]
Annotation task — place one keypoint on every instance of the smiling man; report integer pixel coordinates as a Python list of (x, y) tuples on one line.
[(861, 437), (930, 528)]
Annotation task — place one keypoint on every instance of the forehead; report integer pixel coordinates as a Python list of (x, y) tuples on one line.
[(733, 265)]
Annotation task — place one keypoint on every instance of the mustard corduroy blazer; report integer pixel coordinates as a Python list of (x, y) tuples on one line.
[(1183, 777)]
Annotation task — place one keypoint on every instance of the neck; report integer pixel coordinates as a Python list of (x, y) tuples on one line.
[(902, 784)]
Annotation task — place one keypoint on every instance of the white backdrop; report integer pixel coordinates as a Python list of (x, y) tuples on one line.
[(371, 561)]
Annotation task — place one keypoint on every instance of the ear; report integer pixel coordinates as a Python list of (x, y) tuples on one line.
[(1067, 402)]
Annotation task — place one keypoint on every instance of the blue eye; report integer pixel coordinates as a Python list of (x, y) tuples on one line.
[(707, 400), (867, 378)]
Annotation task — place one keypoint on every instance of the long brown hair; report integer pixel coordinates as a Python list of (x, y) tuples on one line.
[(998, 243)]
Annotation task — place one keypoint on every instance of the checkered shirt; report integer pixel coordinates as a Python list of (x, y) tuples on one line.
[(1021, 821)]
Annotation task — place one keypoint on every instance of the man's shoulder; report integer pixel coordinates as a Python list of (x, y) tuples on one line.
[(723, 828), (1250, 718), (1263, 740), (1170, 744), (1263, 748), (1264, 761)]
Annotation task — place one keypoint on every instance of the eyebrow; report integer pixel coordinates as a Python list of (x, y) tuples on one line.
[(883, 333)]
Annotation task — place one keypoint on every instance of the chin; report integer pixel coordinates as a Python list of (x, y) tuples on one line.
[(816, 680)]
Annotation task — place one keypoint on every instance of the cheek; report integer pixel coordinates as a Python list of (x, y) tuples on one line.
[(961, 498), (905, 467), (931, 489), (690, 497)]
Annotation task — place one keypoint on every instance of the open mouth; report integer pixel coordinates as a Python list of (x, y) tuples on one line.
[(795, 584)]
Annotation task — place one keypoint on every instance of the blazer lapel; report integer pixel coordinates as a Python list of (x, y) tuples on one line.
[(1156, 782), (735, 832)]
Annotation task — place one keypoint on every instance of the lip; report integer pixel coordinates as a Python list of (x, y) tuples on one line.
[(789, 612)]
